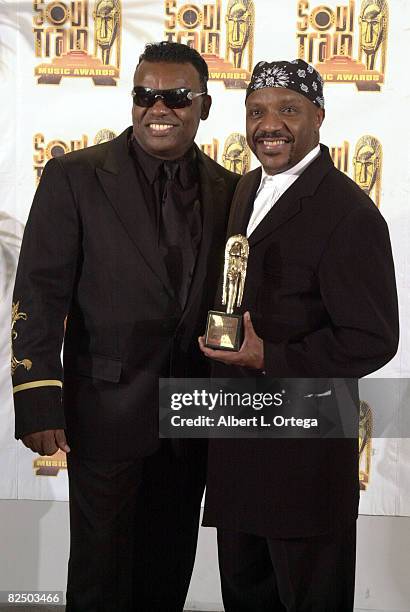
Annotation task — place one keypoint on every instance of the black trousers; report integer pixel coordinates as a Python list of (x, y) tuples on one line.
[(294, 575), (134, 528)]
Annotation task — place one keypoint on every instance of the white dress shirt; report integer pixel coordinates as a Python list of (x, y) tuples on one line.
[(273, 186)]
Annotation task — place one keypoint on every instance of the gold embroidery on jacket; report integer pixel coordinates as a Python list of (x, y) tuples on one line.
[(16, 315), (35, 384)]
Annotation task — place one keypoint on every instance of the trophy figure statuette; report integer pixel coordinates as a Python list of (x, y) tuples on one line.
[(224, 329)]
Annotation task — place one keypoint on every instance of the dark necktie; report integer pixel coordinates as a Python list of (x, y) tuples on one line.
[(175, 235)]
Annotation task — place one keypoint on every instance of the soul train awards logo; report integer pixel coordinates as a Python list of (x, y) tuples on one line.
[(365, 444), (225, 38), (365, 168), (43, 151), (50, 465), (236, 155), (344, 46), (62, 33)]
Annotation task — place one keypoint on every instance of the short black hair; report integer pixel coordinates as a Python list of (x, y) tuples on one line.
[(176, 53)]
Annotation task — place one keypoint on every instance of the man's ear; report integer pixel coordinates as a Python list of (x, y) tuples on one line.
[(320, 117), (206, 105)]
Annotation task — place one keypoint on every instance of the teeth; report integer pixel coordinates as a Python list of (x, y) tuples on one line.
[(273, 143), (160, 127)]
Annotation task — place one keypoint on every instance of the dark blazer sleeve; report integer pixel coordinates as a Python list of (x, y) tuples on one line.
[(44, 283), (358, 291)]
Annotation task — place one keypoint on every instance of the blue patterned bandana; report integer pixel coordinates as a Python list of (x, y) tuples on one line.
[(296, 75)]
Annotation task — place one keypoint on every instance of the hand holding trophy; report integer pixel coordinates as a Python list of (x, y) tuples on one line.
[(224, 329)]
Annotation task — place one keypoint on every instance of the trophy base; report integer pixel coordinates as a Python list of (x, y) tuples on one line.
[(224, 332)]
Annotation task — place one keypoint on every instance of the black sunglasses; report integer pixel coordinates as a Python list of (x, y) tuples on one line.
[(172, 98)]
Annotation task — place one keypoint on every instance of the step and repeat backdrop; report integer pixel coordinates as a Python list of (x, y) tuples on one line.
[(66, 73)]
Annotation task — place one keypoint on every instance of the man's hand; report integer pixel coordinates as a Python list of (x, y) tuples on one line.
[(46, 442), (250, 354)]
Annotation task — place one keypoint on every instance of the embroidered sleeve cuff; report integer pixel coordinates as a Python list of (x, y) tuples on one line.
[(37, 383)]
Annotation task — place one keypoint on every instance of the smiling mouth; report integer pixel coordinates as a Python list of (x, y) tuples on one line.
[(272, 144), (161, 127)]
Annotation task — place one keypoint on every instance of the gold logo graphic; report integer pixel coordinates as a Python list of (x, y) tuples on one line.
[(365, 444), (62, 33), (366, 164), (373, 22), (56, 148), (16, 316), (236, 155), (331, 38), (50, 465), (211, 149), (240, 19), (104, 135), (201, 27)]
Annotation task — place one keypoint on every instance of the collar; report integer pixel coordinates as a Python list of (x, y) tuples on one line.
[(151, 166), (294, 172)]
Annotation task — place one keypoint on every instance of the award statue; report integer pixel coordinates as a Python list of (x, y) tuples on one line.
[(224, 329)]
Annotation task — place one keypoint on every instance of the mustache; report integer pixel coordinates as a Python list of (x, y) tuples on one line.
[(262, 135)]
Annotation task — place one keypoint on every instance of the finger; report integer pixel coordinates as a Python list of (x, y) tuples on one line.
[(208, 352), (247, 332), (247, 317), (48, 446), (44, 442), (36, 443), (61, 440), (226, 357), (28, 442), (247, 324), (205, 349), (213, 353)]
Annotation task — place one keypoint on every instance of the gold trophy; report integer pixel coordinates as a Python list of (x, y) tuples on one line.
[(224, 329)]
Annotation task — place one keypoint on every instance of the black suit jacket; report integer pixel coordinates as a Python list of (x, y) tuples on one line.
[(89, 253), (320, 288)]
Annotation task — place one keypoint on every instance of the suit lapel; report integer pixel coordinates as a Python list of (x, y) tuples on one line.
[(243, 203), (283, 210), (119, 181), (290, 203)]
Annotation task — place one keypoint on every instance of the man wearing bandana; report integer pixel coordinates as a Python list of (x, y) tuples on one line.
[(319, 303)]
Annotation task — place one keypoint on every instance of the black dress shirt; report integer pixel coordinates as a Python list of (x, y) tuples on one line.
[(171, 193)]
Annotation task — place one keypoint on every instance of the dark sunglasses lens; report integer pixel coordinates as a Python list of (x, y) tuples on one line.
[(176, 98), (173, 98), (143, 97)]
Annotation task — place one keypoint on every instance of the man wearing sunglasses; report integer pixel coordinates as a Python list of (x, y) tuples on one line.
[(123, 241)]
